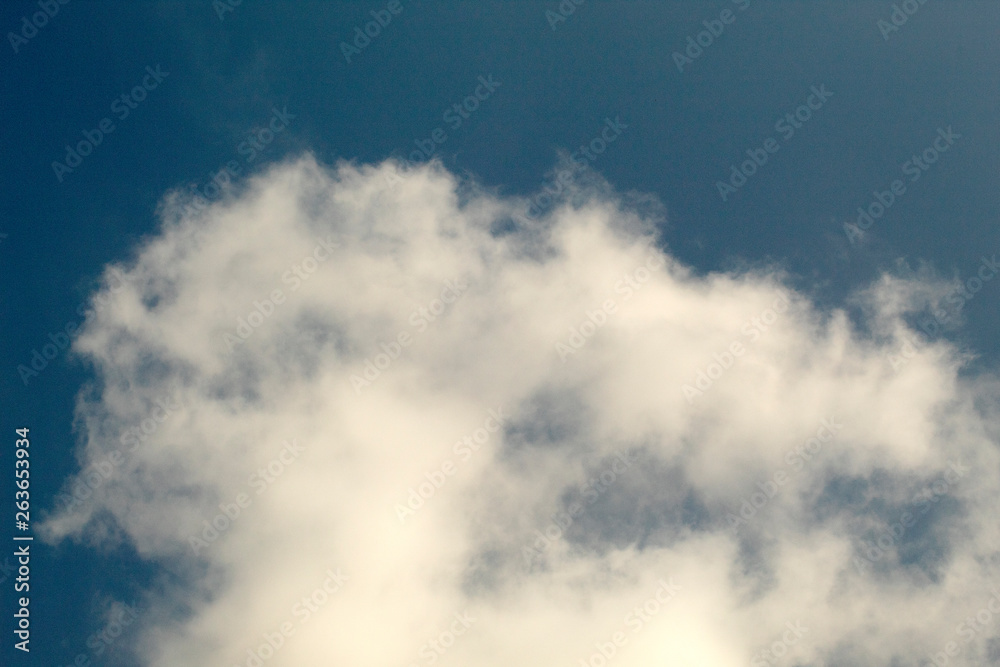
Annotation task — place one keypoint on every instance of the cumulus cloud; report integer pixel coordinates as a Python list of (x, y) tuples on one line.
[(376, 416)]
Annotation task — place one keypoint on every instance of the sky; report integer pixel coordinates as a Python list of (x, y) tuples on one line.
[(477, 333)]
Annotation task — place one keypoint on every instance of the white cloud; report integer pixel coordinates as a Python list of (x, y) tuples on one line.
[(298, 520)]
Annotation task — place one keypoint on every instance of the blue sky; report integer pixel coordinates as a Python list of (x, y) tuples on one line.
[(202, 82)]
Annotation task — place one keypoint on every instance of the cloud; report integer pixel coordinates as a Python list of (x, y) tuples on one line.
[(384, 421)]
